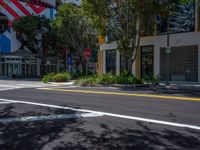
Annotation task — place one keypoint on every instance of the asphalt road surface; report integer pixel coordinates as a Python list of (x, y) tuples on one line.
[(73, 118)]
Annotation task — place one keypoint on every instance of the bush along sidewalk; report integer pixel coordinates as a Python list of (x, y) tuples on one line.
[(87, 81), (56, 77), (150, 79), (108, 79)]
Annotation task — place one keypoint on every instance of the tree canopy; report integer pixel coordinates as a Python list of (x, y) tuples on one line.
[(125, 21), (76, 32), (37, 34)]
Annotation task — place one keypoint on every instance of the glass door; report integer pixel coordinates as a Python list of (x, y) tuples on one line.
[(147, 53), (13, 69)]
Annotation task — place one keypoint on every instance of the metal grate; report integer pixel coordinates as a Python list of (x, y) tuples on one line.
[(183, 64)]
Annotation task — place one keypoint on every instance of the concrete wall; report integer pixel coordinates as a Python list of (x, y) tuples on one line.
[(176, 40)]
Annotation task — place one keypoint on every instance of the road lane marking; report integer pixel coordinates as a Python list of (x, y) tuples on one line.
[(49, 118), (124, 94), (6, 89), (110, 115), (6, 103), (10, 86)]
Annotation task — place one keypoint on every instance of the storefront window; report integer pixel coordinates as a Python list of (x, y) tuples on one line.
[(2, 69), (111, 61), (11, 65), (147, 60)]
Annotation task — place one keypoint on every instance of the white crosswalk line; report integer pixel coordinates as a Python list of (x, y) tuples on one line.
[(11, 85), (21, 84)]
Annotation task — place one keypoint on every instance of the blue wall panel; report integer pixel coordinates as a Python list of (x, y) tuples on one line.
[(4, 44)]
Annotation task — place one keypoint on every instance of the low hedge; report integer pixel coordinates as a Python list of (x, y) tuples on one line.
[(108, 79), (87, 81), (151, 79), (59, 77), (48, 78)]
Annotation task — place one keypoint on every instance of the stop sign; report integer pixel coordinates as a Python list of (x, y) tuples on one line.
[(87, 53)]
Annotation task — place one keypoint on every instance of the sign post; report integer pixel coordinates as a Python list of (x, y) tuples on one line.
[(168, 50), (87, 54)]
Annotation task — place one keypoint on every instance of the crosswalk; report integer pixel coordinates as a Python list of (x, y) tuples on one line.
[(11, 85)]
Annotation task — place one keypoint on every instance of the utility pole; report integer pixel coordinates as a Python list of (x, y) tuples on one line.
[(168, 49)]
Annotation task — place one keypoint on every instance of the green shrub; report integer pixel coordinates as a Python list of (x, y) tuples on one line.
[(122, 79), (48, 78), (128, 80), (137, 81), (108, 79), (151, 79), (61, 77), (87, 81)]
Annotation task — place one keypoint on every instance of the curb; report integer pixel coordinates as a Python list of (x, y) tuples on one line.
[(151, 86), (61, 83)]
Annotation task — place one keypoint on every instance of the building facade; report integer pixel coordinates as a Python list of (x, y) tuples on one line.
[(181, 63), (12, 59)]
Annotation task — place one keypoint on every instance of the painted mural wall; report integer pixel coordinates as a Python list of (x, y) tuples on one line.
[(182, 19), (14, 9)]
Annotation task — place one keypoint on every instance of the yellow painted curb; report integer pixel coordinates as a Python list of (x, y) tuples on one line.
[(125, 94)]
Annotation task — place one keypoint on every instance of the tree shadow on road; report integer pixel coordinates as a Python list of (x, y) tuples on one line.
[(79, 134), (131, 139), (31, 135)]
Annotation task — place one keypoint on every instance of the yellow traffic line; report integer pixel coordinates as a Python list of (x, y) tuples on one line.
[(125, 94)]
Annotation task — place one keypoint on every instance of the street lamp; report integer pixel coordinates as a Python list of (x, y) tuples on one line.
[(168, 50)]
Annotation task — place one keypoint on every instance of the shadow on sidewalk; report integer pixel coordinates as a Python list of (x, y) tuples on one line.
[(162, 90)]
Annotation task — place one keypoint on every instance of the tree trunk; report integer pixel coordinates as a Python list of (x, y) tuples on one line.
[(128, 65), (43, 67)]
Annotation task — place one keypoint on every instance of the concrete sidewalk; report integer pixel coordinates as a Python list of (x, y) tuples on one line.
[(182, 86)]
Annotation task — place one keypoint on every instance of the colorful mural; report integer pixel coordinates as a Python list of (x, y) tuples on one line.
[(182, 19), (14, 9)]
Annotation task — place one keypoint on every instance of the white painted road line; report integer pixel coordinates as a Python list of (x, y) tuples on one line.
[(5, 89), (111, 115), (48, 118), (6, 103), (11, 86)]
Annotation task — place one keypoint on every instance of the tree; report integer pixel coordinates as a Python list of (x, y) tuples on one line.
[(36, 34), (76, 32), (124, 21)]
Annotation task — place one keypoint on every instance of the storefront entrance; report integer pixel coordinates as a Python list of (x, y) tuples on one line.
[(18, 66), (13, 69), (147, 57)]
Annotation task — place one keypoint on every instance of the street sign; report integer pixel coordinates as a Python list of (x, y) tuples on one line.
[(168, 50), (87, 53), (69, 61)]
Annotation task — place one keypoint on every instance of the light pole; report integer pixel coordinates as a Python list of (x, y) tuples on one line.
[(168, 49)]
